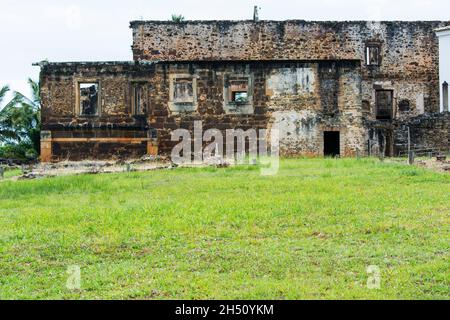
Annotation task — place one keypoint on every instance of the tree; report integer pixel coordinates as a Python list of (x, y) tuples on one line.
[(20, 122), (177, 18), (29, 115), (7, 133), (3, 91)]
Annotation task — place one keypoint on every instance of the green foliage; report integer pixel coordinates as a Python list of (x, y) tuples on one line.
[(3, 91), (6, 126), (309, 232), (18, 151), (177, 18), (20, 122)]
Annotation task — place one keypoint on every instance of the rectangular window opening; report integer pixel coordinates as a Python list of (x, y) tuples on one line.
[(89, 98), (238, 90), (240, 96), (183, 91), (139, 104), (384, 101), (373, 55)]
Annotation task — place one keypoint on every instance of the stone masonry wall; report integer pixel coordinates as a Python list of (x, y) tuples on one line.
[(409, 50), (114, 133), (429, 133), (307, 78), (315, 96)]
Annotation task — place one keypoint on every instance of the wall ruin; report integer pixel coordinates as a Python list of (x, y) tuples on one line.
[(359, 80), (280, 92)]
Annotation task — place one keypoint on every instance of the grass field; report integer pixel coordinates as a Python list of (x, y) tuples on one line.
[(309, 232)]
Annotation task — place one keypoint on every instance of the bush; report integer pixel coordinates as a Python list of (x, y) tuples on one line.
[(23, 152)]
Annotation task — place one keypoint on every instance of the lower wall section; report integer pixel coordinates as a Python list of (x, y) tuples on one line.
[(76, 145), (305, 133), (76, 151), (428, 132)]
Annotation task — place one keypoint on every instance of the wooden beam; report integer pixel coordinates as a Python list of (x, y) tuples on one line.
[(104, 140)]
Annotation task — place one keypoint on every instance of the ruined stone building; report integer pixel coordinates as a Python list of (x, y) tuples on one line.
[(333, 88)]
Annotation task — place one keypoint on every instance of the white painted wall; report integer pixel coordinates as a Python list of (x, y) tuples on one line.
[(444, 59)]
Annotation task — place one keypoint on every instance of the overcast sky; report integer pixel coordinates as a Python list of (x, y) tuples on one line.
[(96, 30)]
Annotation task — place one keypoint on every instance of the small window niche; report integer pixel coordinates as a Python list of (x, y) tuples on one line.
[(89, 98), (139, 100), (404, 106), (183, 93), (238, 94), (366, 106), (373, 54)]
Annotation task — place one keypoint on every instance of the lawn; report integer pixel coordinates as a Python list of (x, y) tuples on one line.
[(12, 173), (309, 232)]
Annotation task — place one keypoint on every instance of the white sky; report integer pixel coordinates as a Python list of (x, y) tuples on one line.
[(98, 30)]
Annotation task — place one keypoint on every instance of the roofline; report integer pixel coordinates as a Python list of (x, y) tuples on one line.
[(443, 29), (186, 22), (144, 62), (88, 63)]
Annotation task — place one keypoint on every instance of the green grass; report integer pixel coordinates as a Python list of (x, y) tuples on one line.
[(12, 173), (309, 232)]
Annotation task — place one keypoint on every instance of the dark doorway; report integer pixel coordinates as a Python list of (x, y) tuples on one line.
[(331, 143), (389, 151)]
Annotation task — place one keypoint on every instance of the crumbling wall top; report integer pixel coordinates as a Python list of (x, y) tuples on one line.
[(278, 40)]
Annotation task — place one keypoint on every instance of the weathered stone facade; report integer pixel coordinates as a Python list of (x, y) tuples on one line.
[(312, 79)]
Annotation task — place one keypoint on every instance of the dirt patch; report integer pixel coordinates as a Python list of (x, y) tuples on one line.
[(93, 167), (434, 164)]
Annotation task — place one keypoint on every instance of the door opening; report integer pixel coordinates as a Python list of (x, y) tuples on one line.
[(331, 144)]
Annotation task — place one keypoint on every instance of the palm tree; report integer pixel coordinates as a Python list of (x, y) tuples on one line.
[(6, 131), (27, 115), (20, 122), (3, 91)]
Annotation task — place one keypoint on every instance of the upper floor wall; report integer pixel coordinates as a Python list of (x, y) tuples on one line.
[(94, 94), (400, 49)]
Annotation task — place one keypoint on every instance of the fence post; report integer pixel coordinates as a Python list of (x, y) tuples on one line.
[(409, 140), (2, 172), (411, 158)]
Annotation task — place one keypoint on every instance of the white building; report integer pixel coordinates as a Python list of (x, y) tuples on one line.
[(444, 65)]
